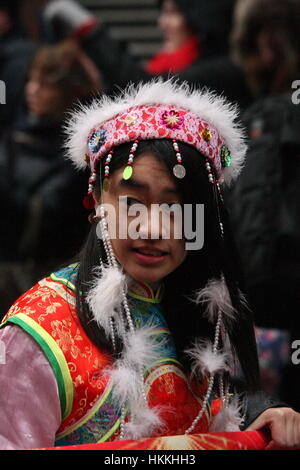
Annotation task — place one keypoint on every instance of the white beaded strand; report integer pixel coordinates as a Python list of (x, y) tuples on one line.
[(224, 396), (178, 170), (112, 261), (211, 379), (209, 171)]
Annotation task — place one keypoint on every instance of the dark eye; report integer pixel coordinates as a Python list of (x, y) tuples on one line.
[(173, 206), (130, 201)]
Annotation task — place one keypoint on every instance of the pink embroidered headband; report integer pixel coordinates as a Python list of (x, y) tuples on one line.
[(158, 110), (158, 122)]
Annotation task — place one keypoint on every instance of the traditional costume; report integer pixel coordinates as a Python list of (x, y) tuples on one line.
[(144, 391)]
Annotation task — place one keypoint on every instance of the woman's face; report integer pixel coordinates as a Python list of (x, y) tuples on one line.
[(145, 252), (173, 24), (43, 98)]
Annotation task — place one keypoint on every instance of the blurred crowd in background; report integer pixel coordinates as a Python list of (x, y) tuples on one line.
[(54, 54)]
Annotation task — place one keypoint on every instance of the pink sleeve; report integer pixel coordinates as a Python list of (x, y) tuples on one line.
[(29, 401)]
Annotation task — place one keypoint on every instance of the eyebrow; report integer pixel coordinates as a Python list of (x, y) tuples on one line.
[(135, 184)]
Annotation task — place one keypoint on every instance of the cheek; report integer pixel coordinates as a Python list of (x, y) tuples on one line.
[(178, 251), (121, 249), (28, 89), (178, 24), (51, 97)]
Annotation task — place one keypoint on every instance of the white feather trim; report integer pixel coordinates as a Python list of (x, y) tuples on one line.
[(215, 294), (105, 296), (204, 359), (207, 105), (142, 348), (145, 422), (229, 419), (126, 385)]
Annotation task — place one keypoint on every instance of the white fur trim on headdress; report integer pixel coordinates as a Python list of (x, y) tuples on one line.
[(208, 106)]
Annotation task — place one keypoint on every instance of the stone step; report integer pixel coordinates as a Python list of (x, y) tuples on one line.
[(132, 21), (143, 49), (133, 33), (99, 4), (127, 16)]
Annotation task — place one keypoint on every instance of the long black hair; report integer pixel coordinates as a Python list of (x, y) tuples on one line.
[(218, 256)]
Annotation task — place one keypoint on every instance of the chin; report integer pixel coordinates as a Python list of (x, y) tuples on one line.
[(148, 277)]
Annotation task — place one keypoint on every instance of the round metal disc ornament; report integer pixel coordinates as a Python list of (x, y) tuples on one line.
[(179, 171)]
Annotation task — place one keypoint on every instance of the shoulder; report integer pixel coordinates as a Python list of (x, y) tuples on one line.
[(53, 295)]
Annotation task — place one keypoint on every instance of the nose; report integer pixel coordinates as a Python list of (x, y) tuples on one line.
[(152, 224)]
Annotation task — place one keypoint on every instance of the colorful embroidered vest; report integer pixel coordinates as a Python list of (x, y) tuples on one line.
[(47, 312)]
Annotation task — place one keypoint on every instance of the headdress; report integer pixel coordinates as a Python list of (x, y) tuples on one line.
[(164, 110), (156, 110)]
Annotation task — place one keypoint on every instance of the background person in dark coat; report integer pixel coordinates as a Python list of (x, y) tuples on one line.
[(16, 52), (265, 200), (40, 191)]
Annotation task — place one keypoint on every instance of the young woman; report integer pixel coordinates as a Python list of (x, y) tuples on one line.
[(140, 336)]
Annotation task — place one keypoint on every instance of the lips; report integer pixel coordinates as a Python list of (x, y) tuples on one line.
[(150, 252), (149, 256)]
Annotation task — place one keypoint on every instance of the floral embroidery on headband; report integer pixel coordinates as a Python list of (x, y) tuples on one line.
[(172, 119), (130, 120), (96, 140)]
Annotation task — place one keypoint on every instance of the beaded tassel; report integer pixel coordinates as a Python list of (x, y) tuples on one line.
[(128, 171), (178, 170), (211, 378), (216, 184), (106, 171), (209, 171), (88, 201)]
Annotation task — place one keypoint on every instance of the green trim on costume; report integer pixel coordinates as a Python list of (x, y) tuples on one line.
[(150, 296), (64, 281), (87, 417), (144, 299), (55, 357), (160, 292), (160, 331), (110, 432), (165, 361)]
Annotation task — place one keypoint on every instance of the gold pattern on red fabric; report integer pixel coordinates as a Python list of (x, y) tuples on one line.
[(55, 314), (52, 305)]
